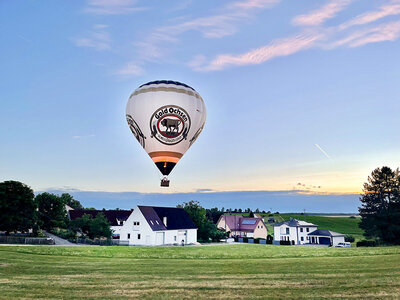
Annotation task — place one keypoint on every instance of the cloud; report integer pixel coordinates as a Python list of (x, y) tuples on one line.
[(112, 7), (319, 16), (380, 33), (204, 190), (280, 47), (98, 39), (372, 16), (83, 136), (131, 68), (218, 25)]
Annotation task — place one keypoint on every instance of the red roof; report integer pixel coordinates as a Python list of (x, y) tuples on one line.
[(240, 223)]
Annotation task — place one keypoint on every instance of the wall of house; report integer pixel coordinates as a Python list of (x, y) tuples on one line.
[(336, 240), (304, 234), (260, 231), (148, 237), (221, 225)]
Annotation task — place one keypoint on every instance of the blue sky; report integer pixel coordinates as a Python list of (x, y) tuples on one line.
[(300, 95)]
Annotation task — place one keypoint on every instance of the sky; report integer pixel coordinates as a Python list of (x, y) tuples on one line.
[(301, 95)]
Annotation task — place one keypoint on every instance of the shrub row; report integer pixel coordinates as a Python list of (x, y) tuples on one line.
[(365, 243)]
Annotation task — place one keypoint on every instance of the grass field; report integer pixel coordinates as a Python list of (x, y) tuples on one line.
[(230, 271)]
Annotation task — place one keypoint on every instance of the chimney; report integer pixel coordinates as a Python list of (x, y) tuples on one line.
[(165, 221)]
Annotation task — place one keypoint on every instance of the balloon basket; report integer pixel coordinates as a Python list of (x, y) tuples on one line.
[(165, 182)]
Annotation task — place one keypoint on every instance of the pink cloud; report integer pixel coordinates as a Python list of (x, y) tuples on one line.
[(319, 16), (281, 47)]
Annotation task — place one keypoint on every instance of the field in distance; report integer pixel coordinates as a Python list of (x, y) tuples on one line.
[(226, 271)]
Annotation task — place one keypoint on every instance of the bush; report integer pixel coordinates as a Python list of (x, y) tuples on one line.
[(245, 240), (349, 238), (63, 233), (365, 243), (284, 243)]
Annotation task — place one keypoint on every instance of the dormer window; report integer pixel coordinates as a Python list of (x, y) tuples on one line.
[(165, 221)]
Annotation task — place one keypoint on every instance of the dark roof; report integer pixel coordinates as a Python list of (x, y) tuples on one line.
[(324, 232), (111, 215), (177, 218), (167, 82), (295, 223)]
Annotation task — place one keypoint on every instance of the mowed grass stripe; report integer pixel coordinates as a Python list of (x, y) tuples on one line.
[(361, 274)]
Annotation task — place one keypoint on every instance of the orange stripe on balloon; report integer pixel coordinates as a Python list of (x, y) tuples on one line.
[(166, 153)]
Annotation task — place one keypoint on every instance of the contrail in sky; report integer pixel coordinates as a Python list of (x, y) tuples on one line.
[(322, 150)]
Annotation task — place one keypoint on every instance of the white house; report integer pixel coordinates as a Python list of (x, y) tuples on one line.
[(294, 231), (326, 237), (151, 226)]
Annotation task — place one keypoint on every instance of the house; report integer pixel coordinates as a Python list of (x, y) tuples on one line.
[(151, 226), (294, 231), (116, 218), (238, 225), (326, 237)]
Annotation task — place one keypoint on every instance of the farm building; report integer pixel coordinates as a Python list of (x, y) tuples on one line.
[(151, 226), (326, 237), (294, 231), (238, 225), (116, 218)]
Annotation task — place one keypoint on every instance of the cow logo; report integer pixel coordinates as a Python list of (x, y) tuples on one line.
[(170, 124), (136, 130)]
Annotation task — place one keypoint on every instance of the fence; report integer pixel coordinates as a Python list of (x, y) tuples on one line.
[(25, 240), (101, 242)]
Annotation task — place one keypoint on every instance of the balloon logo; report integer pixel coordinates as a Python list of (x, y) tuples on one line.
[(166, 118)]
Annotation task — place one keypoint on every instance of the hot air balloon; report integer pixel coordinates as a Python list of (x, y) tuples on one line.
[(166, 117)]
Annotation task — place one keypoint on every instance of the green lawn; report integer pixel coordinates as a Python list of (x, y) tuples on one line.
[(230, 271)]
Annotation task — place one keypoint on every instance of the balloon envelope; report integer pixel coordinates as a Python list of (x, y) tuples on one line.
[(166, 117)]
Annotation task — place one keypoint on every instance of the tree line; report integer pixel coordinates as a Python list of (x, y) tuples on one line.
[(22, 211)]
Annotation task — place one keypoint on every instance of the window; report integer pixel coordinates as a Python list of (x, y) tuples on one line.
[(301, 229), (175, 238), (151, 222), (157, 222), (138, 236), (129, 236), (258, 226), (302, 238), (135, 223), (262, 226), (307, 229), (287, 230)]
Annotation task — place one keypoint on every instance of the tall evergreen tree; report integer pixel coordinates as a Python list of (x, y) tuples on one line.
[(380, 209), (17, 208)]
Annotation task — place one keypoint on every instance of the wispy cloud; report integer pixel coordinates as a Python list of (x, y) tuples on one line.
[(280, 47), (112, 7), (131, 68), (83, 136), (322, 150), (380, 33), (384, 11), (320, 15), (217, 25), (98, 38)]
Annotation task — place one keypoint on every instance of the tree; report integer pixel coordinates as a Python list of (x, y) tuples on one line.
[(100, 227), (17, 208), (213, 214), (51, 211), (380, 209), (206, 230), (93, 228), (70, 201), (251, 214)]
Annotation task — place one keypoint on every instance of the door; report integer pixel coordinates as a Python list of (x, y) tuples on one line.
[(160, 238), (182, 236)]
